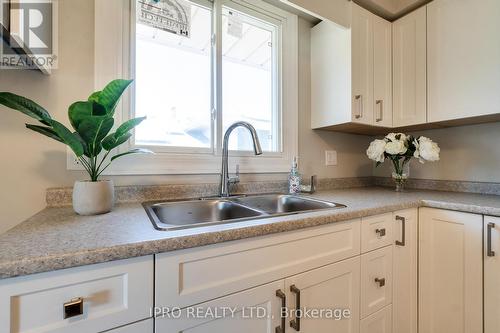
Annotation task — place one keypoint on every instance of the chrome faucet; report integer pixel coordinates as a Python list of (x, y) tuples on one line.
[(225, 181)]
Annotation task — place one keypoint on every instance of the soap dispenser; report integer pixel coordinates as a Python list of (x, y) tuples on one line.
[(294, 178)]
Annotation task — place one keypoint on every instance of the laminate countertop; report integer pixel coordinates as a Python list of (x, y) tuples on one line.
[(57, 238)]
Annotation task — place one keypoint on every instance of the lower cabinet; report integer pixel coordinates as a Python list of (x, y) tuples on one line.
[(450, 272), (235, 313), (274, 307), (87, 299), (376, 280), (334, 287), (491, 274), (405, 271)]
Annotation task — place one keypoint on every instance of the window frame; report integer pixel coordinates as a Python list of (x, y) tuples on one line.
[(115, 33)]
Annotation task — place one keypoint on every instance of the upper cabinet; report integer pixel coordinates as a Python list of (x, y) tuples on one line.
[(409, 68), (438, 66), (352, 73), (463, 59)]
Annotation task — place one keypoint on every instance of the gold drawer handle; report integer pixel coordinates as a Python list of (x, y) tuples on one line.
[(73, 308)]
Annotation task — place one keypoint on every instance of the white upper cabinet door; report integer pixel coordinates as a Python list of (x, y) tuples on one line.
[(382, 72), (334, 286), (463, 58), (450, 272), (256, 310), (409, 69), (491, 274), (362, 66), (405, 264)]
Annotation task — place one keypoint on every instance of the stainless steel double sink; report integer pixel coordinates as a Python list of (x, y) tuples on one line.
[(203, 212)]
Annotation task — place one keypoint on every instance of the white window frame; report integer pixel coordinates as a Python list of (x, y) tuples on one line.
[(114, 58)]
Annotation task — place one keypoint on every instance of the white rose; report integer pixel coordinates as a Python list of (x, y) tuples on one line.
[(416, 154), (376, 151), (428, 149), (396, 147), (392, 136)]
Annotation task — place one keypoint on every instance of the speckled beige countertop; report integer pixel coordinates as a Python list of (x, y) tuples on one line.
[(56, 238)]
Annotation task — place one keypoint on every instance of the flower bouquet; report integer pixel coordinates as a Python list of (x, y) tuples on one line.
[(400, 148)]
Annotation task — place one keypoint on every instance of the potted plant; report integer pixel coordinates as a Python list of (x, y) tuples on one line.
[(91, 140), (400, 148)]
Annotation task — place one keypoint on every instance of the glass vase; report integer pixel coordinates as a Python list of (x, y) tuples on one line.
[(400, 173)]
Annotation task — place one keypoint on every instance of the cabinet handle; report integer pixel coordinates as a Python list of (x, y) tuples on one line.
[(73, 308), (295, 324), (359, 113), (489, 251), (281, 295), (380, 232), (381, 282), (381, 110), (403, 231)]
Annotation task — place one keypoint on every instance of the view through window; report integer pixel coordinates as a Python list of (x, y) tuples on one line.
[(175, 78)]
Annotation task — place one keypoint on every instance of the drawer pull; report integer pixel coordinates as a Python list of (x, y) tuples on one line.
[(380, 232), (381, 282), (403, 231), (281, 295), (295, 324), (73, 308)]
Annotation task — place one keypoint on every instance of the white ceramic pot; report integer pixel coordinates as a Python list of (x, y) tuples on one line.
[(93, 198)]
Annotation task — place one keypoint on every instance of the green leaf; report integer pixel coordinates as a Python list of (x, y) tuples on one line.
[(68, 138), (86, 151), (128, 126), (25, 105), (47, 131), (80, 111), (133, 151), (111, 141), (110, 95), (93, 130)]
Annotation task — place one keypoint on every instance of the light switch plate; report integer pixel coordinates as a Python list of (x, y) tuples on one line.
[(330, 157)]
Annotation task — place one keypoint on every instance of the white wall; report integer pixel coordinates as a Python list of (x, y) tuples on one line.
[(32, 163), (468, 153)]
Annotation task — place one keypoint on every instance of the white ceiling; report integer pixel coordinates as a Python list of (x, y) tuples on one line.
[(391, 9)]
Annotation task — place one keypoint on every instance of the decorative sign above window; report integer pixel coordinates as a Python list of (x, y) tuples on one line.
[(168, 15)]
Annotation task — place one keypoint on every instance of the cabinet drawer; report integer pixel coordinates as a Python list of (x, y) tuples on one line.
[(379, 322), (107, 295), (145, 326), (197, 275), (376, 232), (376, 280)]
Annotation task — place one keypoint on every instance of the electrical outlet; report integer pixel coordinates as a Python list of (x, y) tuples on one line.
[(330, 157)]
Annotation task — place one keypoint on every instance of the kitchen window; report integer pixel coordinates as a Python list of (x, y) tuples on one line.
[(237, 61)]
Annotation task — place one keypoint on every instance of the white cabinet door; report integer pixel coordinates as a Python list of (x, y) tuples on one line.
[(450, 272), (376, 280), (463, 58), (405, 263), (491, 274), (362, 65), (409, 69), (256, 310), (334, 287), (379, 322), (382, 72)]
